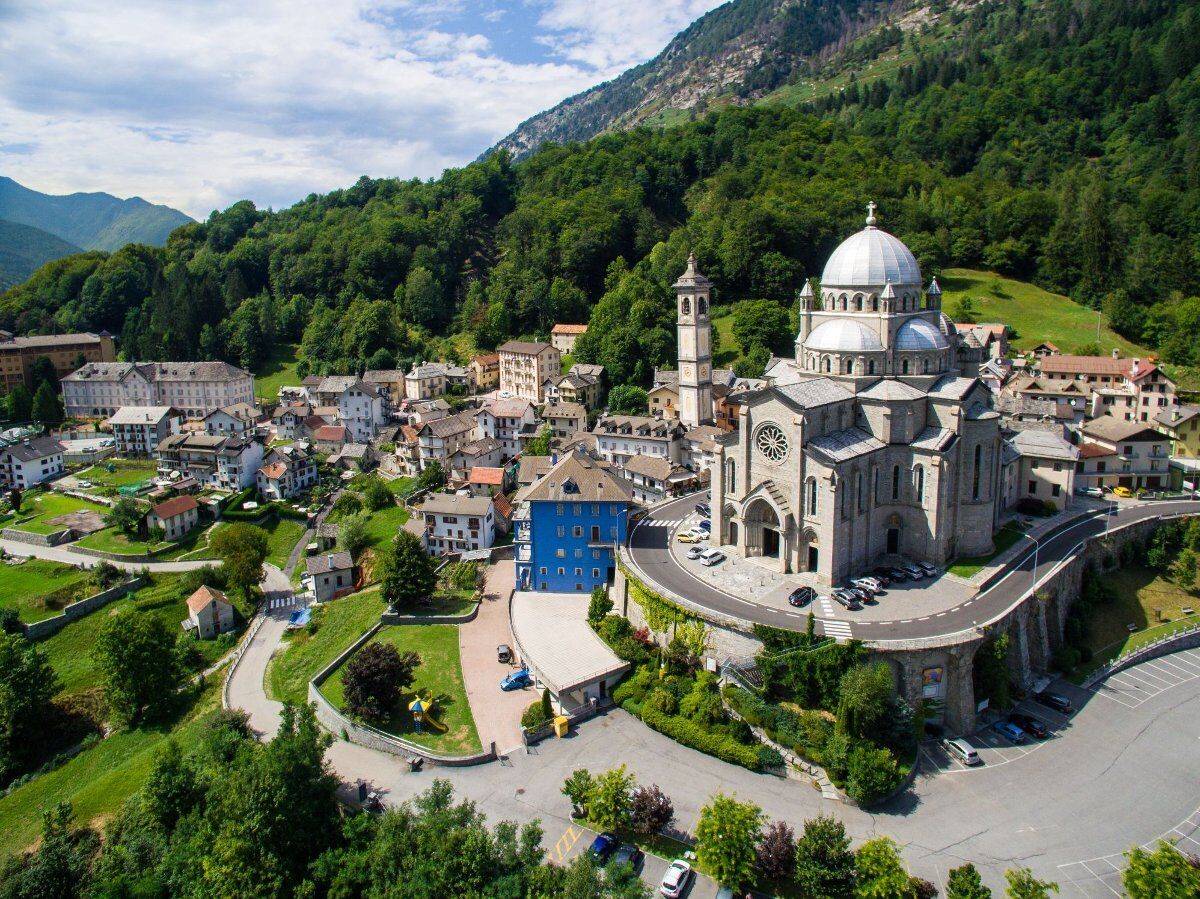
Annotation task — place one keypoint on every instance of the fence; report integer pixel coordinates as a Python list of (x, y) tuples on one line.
[(40, 630), (1181, 639)]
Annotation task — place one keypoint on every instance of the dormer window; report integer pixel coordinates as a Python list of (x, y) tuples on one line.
[(569, 487)]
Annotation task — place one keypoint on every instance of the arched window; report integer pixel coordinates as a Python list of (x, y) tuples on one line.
[(730, 476), (858, 491), (874, 302), (858, 302), (844, 499), (828, 365), (977, 475), (875, 483), (919, 483), (849, 366), (871, 367), (685, 306), (924, 366), (810, 487), (895, 482), (702, 306), (845, 303), (904, 367)]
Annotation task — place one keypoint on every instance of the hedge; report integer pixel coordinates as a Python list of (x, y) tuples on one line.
[(681, 730)]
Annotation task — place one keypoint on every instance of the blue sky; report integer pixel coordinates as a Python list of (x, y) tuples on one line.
[(198, 103)]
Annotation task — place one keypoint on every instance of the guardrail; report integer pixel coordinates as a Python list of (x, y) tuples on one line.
[(1166, 643)]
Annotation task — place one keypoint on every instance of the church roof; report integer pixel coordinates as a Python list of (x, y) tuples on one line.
[(934, 440), (952, 387), (871, 258), (891, 389), (918, 334), (691, 276), (813, 393), (843, 335), (842, 446)]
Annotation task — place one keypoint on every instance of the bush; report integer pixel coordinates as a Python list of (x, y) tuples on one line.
[(872, 774), (769, 757), (681, 730), (662, 700), (1066, 658), (534, 716)]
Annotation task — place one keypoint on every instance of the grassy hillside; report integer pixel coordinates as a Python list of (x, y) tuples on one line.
[(277, 370), (1034, 314)]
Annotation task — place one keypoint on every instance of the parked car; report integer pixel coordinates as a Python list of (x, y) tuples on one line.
[(1030, 725), (864, 595), (801, 596), (930, 570), (687, 537), (603, 846), (518, 680), (504, 653), (675, 881), (703, 510), (711, 557), (1097, 492), (846, 598), (628, 854), (1123, 492), (86, 485), (697, 531), (1055, 701), (883, 575), (705, 525), (1009, 731), (868, 583), (963, 751), (695, 552), (913, 571), (898, 575)]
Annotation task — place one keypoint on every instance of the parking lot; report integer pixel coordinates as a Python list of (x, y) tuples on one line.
[(1136, 685)]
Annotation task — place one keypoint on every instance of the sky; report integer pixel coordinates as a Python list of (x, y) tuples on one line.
[(199, 103)]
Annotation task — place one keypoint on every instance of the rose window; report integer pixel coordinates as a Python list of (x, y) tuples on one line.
[(772, 443)]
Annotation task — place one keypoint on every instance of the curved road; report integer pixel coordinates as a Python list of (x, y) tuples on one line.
[(649, 547)]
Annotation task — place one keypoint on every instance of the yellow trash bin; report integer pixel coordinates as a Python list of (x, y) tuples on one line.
[(561, 725)]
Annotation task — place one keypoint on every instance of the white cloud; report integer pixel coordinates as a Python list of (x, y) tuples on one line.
[(198, 104)]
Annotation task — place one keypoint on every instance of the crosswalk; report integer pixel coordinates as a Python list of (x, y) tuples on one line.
[(285, 602), (661, 523), (839, 630)]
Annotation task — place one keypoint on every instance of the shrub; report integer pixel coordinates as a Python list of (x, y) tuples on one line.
[(651, 810), (769, 757), (663, 700), (534, 716), (1066, 658), (599, 607), (777, 851), (872, 774), (681, 730)]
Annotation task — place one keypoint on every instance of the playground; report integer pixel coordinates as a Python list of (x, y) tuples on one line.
[(434, 712)]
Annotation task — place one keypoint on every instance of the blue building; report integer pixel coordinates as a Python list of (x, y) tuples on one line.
[(573, 518)]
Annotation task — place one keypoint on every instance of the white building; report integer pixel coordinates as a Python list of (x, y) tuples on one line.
[(506, 420), (332, 574), (31, 462), (209, 613), (1040, 466), (442, 438), (620, 437), (360, 406), (426, 381), (563, 337), (287, 471), (99, 389), (138, 430), (176, 516), (221, 463), (240, 418), (526, 366), (457, 523)]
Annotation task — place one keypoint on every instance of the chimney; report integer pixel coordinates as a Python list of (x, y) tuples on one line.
[(1136, 365), (1116, 353)]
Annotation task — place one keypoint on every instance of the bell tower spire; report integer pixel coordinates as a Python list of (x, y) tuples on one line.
[(693, 293)]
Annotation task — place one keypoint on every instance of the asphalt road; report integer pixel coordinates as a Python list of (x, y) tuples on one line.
[(650, 550)]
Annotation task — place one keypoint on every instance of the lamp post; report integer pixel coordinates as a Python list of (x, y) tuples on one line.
[(1037, 545)]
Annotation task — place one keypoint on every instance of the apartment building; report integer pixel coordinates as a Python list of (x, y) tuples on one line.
[(31, 462), (1040, 465), (563, 337), (565, 420), (1127, 389), (99, 389), (215, 461), (138, 430), (620, 437), (484, 372), (1117, 453), (442, 438), (240, 418), (65, 351), (360, 407), (1182, 425), (287, 471), (507, 420), (526, 366), (456, 523)]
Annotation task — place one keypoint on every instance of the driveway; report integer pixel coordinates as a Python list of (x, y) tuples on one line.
[(247, 678), (497, 714)]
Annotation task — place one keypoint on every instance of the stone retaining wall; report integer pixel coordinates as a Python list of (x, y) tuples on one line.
[(40, 630), (392, 618), (15, 533)]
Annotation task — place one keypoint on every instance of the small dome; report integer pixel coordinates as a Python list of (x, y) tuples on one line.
[(843, 335), (919, 334), (871, 258)]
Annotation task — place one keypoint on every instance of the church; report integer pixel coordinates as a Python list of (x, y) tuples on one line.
[(876, 441)]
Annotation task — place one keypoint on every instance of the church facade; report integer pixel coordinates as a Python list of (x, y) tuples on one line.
[(876, 441)]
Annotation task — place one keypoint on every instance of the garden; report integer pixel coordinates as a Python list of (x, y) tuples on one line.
[(109, 477), (39, 507)]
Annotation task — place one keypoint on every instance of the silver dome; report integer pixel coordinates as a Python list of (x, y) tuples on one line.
[(843, 335), (871, 258), (919, 334)]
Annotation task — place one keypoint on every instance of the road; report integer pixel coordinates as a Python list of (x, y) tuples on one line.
[(649, 547), (64, 555)]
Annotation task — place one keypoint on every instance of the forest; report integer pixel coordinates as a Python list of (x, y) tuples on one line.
[(1056, 142)]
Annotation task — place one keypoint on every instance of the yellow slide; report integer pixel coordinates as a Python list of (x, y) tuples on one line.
[(422, 708)]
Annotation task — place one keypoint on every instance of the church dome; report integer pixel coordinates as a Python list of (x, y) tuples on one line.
[(843, 335), (919, 334), (871, 258)]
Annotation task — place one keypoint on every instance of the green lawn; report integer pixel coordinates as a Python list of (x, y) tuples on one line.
[(728, 351), (1140, 592), (128, 472), (970, 566), (282, 536), (113, 541), (99, 780), (44, 506), (338, 624), (441, 673), (567, 360), (70, 650), (38, 589), (277, 371), (1034, 314), (382, 526)]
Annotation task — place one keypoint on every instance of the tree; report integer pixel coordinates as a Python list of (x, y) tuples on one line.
[(407, 572), (346, 505), (761, 323), (172, 788), (27, 684), (47, 408), (1023, 885), (1162, 874), (872, 773), (777, 851), (963, 310), (242, 549), (540, 445), (651, 810), (61, 865), (609, 802), (14, 498), (42, 370), (599, 607), (432, 476), (376, 496), (135, 656), (824, 862), (375, 677), (126, 516), (352, 534), (727, 840), (867, 693), (20, 403), (965, 883), (879, 873), (547, 704), (628, 399), (578, 788), (753, 363)]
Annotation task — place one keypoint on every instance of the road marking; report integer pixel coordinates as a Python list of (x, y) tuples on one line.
[(566, 842)]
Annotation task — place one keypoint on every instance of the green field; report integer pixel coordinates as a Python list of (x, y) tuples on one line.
[(113, 541), (728, 351), (277, 371), (1139, 593), (38, 589), (441, 673), (382, 526), (1034, 314), (128, 472), (338, 624), (282, 536), (41, 507), (99, 780)]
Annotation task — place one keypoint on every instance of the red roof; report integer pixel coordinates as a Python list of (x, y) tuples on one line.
[(330, 432), (489, 476), (488, 359), (202, 597), (569, 329), (176, 506), (1093, 450), (275, 471), (503, 506)]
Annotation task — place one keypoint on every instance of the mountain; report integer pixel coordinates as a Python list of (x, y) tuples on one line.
[(95, 221), (733, 55), (24, 249)]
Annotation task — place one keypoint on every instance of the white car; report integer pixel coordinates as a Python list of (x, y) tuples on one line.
[(699, 532), (695, 551), (711, 557), (868, 583), (86, 485), (675, 881)]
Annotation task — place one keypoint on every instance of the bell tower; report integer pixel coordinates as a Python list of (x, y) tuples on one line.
[(693, 293)]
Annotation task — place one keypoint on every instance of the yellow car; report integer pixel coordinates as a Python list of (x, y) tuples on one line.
[(1122, 492), (687, 537)]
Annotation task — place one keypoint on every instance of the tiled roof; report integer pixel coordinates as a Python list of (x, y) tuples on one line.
[(525, 347), (638, 426), (141, 415), (579, 478), (205, 595), (175, 506), (451, 424), (1044, 445), (533, 467), (273, 471), (569, 329), (841, 446), (649, 466), (933, 440), (891, 389), (514, 407), (330, 432), (488, 476), (327, 562), (1110, 428), (813, 393), (35, 448), (503, 507), (455, 504)]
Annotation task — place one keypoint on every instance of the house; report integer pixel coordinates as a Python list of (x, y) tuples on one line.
[(354, 457), (506, 420), (32, 461), (359, 405), (442, 438), (99, 389), (456, 522), (421, 411), (390, 383), (991, 337), (484, 372), (995, 373), (332, 574), (138, 430), (407, 453), (563, 337), (1129, 389), (1117, 453), (565, 419), (1041, 467), (209, 613), (220, 463), (663, 396), (525, 366), (63, 351), (699, 448), (483, 481), (177, 516), (533, 468), (651, 477), (426, 381), (570, 522), (1044, 349), (288, 419), (1182, 425), (329, 438), (620, 437), (240, 418), (485, 452), (574, 388), (287, 471)]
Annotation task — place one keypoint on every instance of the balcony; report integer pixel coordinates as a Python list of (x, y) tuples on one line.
[(523, 534), (524, 553)]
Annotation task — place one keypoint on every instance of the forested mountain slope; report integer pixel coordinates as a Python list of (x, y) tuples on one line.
[(24, 249), (1056, 142)]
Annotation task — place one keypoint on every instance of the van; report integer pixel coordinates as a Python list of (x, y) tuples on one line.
[(712, 557), (963, 751)]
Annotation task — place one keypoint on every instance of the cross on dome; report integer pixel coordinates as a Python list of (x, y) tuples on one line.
[(871, 207)]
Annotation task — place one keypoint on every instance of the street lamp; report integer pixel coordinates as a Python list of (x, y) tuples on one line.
[(1037, 545)]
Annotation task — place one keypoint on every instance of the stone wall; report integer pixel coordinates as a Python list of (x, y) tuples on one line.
[(131, 558), (15, 533), (40, 630)]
